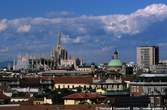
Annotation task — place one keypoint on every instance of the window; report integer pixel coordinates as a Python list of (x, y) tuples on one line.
[(133, 88), (107, 86), (84, 87), (162, 90), (117, 86), (137, 88), (149, 90)]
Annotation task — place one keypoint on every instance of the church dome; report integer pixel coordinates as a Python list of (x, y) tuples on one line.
[(115, 63)]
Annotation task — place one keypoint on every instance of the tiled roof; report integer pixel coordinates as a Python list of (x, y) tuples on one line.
[(73, 80), (30, 82), (127, 78), (86, 95), (2, 96), (52, 107), (8, 79)]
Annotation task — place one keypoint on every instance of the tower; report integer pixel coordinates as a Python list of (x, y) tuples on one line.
[(58, 44), (115, 55), (59, 52)]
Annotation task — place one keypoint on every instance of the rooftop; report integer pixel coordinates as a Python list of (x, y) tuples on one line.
[(62, 72), (73, 80), (153, 75), (149, 46), (49, 107), (149, 83), (115, 63), (2, 96), (83, 95), (30, 82)]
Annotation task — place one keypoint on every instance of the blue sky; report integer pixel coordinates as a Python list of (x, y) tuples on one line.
[(92, 28), (33, 8)]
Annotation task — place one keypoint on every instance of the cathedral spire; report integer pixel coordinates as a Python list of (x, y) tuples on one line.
[(58, 40)]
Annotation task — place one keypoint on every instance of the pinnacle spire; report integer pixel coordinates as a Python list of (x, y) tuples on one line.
[(58, 39)]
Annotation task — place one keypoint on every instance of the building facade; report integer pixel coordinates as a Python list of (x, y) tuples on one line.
[(147, 56), (83, 98), (152, 85), (59, 53), (43, 62)]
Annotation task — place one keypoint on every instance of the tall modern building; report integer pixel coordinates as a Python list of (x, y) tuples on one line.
[(147, 55)]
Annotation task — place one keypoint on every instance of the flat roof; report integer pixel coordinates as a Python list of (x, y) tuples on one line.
[(149, 83), (153, 75), (149, 46), (63, 72)]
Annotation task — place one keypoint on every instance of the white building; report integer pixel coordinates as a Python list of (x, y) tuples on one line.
[(22, 62), (152, 85)]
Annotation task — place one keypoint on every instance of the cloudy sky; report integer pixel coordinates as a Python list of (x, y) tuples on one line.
[(92, 29)]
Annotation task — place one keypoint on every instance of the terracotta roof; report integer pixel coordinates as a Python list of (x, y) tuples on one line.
[(83, 107), (82, 95), (73, 80), (52, 107), (30, 82), (3, 96), (127, 78), (46, 77), (7, 79)]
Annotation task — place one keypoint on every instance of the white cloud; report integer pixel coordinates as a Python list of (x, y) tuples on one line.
[(135, 22), (61, 14), (107, 48), (4, 50), (162, 44), (117, 25), (3, 25), (45, 21), (77, 40), (67, 39), (24, 28)]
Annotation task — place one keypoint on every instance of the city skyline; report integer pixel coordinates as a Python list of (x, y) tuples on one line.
[(90, 29)]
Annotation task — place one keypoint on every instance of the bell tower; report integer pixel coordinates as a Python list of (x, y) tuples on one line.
[(115, 55)]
